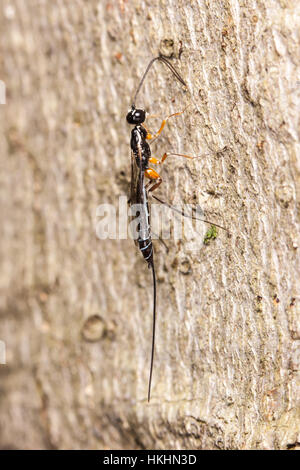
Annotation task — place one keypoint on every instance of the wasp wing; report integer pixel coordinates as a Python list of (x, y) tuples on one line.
[(135, 181), (137, 196)]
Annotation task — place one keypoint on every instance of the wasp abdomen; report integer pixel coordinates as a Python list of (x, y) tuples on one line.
[(147, 249)]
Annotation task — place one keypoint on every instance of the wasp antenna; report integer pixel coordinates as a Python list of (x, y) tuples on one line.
[(167, 63), (173, 70)]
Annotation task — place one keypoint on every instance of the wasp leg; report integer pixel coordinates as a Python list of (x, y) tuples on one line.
[(187, 215), (158, 237), (154, 177), (155, 161), (153, 136), (155, 181)]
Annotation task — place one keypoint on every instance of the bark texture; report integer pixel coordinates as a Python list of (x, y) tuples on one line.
[(76, 312)]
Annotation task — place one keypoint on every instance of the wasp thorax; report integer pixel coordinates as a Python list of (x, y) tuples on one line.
[(136, 116)]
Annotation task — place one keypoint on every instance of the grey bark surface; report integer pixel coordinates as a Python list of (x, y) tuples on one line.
[(76, 312)]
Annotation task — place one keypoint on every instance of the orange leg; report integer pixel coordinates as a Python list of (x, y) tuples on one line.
[(153, 136), (155, 182), (165, 155), (154, 177)]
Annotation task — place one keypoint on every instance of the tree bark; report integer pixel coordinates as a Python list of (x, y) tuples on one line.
[(76, 311)]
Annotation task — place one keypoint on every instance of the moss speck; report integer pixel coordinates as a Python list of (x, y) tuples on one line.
[(210, 235)]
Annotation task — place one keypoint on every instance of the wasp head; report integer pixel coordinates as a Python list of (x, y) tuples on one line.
[(136, 116)]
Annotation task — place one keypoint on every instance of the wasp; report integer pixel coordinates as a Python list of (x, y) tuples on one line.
[(139, 190)]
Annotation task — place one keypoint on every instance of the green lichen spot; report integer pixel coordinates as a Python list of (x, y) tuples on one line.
[(210, 235)]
